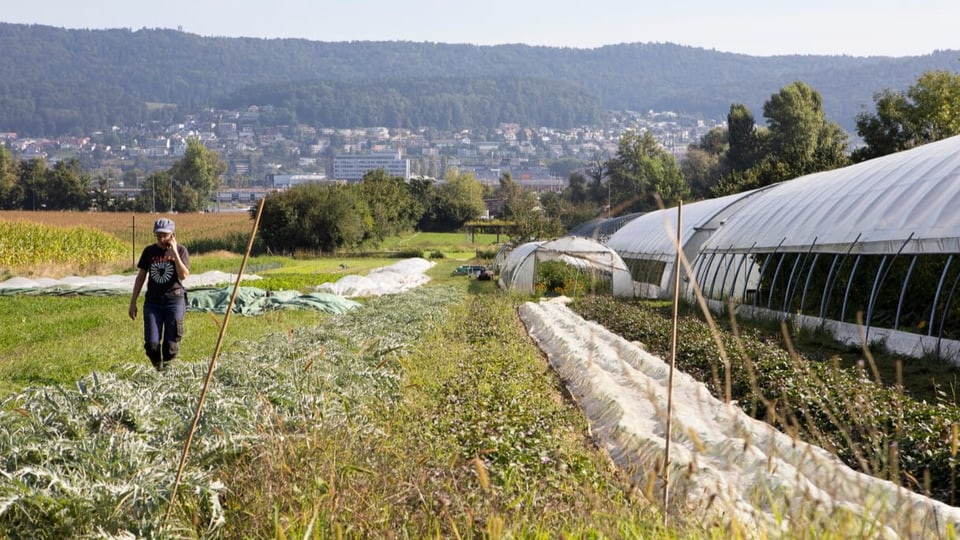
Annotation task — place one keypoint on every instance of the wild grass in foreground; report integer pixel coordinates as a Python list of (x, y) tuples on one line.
[(98, 459)]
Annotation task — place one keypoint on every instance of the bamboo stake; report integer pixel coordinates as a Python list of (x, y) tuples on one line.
[(210, 368), (673, 360), (133, 241)]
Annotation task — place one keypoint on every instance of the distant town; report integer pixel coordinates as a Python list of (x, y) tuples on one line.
[(263, 157)]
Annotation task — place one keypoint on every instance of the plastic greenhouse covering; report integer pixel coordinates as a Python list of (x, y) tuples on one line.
[(905, 202), (519, 268), (646, 243), (602, 228)]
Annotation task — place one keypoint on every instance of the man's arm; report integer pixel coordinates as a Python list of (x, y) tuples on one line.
[(137, 285)]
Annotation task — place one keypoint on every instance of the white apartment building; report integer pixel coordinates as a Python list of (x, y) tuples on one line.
[(352, 167)]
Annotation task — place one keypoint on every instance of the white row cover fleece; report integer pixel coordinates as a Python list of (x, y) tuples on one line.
[(725, 467)]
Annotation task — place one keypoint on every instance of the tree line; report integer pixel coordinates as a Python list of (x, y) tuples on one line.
[(32, 184), (800, 139)]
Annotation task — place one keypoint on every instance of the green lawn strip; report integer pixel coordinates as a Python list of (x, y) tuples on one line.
[(59, 339), (441, 241), (482, 391)]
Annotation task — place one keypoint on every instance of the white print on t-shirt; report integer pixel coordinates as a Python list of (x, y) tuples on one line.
[(161, 271)]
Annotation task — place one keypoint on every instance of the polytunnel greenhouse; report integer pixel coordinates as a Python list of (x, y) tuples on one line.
[(870, 252), (646, 243), (598, 263)]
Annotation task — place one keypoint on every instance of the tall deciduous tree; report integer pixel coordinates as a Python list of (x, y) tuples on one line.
[(11, 196), (800, 135), (597, 169), (798, 140), (743, 140), (936, 105), (576, 191), (459, 200), (424, 191), (567, 211), (510, 193), (522, 208), (315, 217), (701, 170), (392, 206), (195, 177), (641, 173), (155, 193), (32, 183), (928, 111), (68, 186), (705, 162), (886, 132)]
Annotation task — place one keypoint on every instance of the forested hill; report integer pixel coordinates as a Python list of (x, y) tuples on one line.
[(55, 81)]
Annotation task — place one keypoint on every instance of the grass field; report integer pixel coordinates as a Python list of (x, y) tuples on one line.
[(135, 230), (56, 340)]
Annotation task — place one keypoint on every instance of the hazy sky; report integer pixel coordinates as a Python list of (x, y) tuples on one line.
[(755, 27)]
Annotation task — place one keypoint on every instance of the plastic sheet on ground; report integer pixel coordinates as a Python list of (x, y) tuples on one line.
[(395, 278), (254, 301), (204, 295), (723, 463), (104, 285)]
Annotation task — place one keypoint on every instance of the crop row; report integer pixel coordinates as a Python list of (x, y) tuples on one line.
[(24, 244), (100, 458)]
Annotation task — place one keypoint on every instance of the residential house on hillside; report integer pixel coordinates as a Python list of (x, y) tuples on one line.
[(352, 167)]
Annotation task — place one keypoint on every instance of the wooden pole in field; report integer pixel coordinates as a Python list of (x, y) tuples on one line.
[(673, 361), (133, 241), (210, 368)]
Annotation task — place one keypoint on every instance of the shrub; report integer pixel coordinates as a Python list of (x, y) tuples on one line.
[(407, 253)]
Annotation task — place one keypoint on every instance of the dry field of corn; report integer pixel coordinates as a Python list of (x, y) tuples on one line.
[(128, 226), (55, 244)]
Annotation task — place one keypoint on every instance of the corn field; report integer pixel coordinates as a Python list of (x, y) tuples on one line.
[(42, 243), (27, 245)]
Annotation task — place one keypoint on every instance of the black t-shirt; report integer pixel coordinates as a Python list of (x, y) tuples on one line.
[(162, 280)]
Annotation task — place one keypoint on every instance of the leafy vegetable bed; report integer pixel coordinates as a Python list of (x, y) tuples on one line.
[(100, 458)]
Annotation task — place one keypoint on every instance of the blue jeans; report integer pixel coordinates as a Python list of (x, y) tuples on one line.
[(162, 330)]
